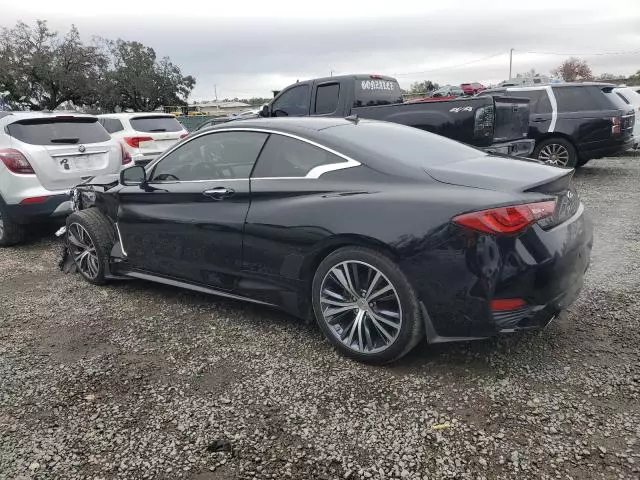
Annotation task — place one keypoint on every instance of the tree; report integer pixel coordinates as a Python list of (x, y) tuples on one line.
[(574, 70), (139, 82), (607, 76), (423, 87), (42, 70), (634, 79), (39, 69)]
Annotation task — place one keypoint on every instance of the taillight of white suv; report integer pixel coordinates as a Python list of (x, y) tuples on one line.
[(15, 161)]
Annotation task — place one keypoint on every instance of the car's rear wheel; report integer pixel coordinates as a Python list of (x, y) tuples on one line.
[(557, 152), (11, 233), (365, 305), (90, 238)]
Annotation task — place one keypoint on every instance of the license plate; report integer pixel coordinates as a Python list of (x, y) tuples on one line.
[(78, 162)]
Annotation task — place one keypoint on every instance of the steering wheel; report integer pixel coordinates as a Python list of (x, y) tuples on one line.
[(167, 176)]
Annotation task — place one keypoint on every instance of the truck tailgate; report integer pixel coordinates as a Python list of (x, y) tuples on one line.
[(511, 119)]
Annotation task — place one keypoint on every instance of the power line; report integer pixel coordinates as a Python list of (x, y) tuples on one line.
[(450, 66), (630, 52)]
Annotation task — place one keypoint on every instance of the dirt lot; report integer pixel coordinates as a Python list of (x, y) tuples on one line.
[(136, 380)]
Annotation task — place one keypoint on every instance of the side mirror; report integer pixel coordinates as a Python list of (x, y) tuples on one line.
[(265, 111), (135, 175)]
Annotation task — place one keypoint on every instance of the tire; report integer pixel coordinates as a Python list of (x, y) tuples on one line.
[(11, 233), (556, 151), (362, 338), (94, 231)]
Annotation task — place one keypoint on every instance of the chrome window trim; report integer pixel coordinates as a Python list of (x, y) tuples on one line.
[(314, 173), (120, 238)]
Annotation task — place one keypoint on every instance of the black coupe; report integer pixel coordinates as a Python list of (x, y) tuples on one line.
[(386, 234)]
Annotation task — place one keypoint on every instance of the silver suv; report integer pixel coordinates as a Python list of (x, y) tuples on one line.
[(42, 156)]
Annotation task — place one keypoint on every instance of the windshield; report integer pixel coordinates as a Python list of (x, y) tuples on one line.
[(58, 131), (155, 124), (370, 92), (411, 146)]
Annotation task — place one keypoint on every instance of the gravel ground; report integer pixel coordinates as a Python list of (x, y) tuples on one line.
[(136, 380)]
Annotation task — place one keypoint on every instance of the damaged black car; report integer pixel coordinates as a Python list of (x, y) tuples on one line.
[(385, 234)]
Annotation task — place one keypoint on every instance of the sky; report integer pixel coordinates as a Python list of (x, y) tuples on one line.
[(246, 48)]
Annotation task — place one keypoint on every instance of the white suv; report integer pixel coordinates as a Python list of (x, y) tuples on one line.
[(144, 135), (42, 156)]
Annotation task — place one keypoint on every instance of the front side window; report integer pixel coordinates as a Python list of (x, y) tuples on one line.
[(327, 98), (288, 157), (292, 103), (223, 155)]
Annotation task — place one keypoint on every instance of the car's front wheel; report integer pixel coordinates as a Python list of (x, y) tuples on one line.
[(90, 238), (365, 305)]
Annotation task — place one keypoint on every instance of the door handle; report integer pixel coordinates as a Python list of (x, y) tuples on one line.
[(539, 119), (218, 193)]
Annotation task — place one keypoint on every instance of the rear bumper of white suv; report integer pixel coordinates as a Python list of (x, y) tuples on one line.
[(52, 208)]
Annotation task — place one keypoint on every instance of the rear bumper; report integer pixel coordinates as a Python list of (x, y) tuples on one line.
[(604, 149), (544, 268), (55, 208), (514, 148)]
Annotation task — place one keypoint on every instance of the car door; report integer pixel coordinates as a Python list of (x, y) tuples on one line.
[(292, 102), (289, 178), (187, 222), (541, 117)]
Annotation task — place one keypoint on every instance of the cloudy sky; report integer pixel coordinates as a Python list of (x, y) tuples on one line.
[(246, 48)]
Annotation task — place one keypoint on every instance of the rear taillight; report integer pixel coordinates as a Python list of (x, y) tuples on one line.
[(15, 161), (126, 156), (507, 304), (34, 200), (136, 141), (484, 120), (506, 220), (616, 128), (184, 135)]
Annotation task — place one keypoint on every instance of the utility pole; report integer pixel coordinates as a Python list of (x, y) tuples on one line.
[(215, 90), (331, 73), (510, 62)]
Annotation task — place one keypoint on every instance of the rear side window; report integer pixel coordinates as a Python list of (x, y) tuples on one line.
[(58, 131), (112, 125), (538, 99), (327, 98), (287, 157), (155, 124), (584, 99), (372, 92)]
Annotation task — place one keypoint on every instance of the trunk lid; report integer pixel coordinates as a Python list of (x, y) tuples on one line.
[(493, 172), (517, 176), (511, 118)]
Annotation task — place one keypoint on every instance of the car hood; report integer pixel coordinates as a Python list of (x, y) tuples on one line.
[(494, 172)]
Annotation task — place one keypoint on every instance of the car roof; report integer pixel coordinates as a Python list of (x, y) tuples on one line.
[(283, 124), (135, 114), (7, 117)]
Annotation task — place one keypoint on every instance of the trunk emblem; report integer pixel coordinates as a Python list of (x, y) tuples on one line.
[(81, 148)]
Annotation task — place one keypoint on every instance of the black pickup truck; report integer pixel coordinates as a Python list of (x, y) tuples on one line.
[(497, 124)]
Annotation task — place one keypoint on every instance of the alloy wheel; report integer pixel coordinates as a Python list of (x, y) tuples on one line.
[(83, 251), (361, 307), (554, 154)]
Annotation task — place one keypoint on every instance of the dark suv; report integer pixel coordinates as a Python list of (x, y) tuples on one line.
[(575, 122)]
